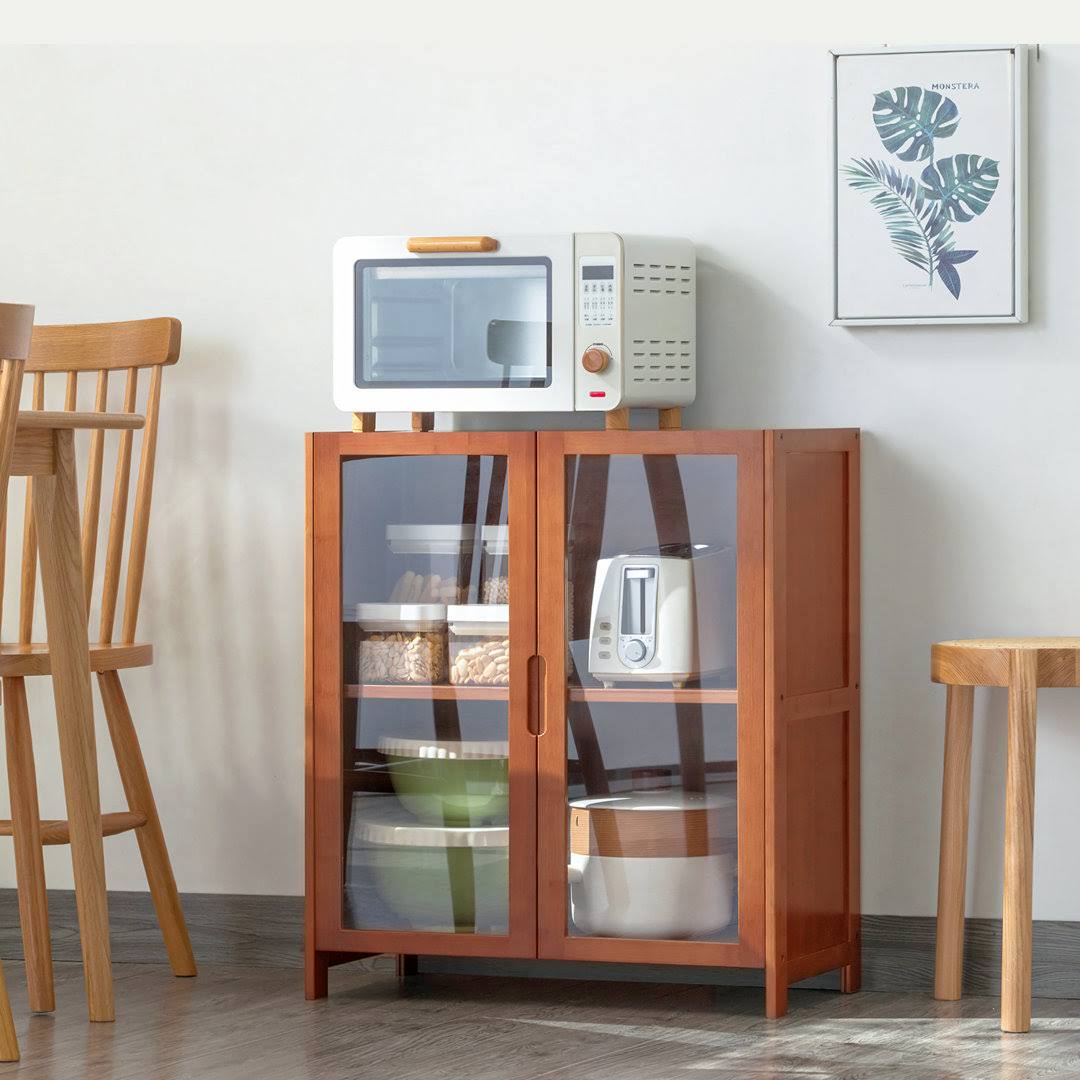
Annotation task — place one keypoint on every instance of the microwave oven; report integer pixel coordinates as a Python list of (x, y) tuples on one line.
[(587, 321)]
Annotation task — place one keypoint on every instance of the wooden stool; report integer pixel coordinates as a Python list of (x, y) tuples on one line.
[(1023, 665), (68, 563)]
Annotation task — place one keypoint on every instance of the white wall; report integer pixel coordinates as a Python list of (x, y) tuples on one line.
[(211, 184)]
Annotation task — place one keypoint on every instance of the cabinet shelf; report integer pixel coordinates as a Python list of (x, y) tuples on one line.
[(664, 694), (420, 692)]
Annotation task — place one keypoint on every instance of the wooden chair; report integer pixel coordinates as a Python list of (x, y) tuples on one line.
[(1023, 665), (99, 350)]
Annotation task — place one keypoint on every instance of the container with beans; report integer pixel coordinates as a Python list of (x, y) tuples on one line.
[(479, 644), (429, 564), (495, 568), (401, 643)]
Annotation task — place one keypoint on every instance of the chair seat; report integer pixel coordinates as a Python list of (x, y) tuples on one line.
[(27, 660), (985, 661)]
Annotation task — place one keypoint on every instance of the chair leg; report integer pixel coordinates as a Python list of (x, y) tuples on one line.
[(1019, 842), (952, 864), (140, 797), (9, 1041), (56, 514), (29, 864)]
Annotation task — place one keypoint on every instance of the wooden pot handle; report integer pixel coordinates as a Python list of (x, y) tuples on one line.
[(427, 245)]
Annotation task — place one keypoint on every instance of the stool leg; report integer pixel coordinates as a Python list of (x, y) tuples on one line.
[(140, 797), (29, 864), (1019, 840), (952, 860), (56, 515)]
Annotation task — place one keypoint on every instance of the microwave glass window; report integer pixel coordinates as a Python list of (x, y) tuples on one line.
[(453, 322)]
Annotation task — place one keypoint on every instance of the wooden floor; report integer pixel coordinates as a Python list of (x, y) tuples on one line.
[(254, 1023)]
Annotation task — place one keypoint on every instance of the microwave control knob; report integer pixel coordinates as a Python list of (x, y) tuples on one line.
[(595, 359), (634, 651)]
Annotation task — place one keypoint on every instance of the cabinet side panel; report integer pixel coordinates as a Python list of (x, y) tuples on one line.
[(813, 699), (816, 572), (816, 826)]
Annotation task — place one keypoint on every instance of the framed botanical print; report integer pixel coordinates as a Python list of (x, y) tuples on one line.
[(929, 185)]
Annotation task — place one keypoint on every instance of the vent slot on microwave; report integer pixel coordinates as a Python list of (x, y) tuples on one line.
[(662, 279), (660, 360)]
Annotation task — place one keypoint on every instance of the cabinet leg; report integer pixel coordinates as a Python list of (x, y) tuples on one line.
[(407, 965), (316, 967), (851, 977), (776, 988)]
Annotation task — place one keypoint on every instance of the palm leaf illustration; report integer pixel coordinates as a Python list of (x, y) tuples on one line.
[(919, 230), (963, 185), (909, 118)]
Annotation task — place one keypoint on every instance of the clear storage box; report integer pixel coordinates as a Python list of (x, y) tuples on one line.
[(495, 579), (431, 563), (401, 643), (479, 644)]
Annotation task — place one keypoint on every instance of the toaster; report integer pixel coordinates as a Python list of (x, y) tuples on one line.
[(669, 616)]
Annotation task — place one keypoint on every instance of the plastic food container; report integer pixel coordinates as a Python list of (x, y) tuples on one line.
[(479, 644), (430, 563), (401, 643), (652, 864), (449, 783), (495, 570), (434, 878)]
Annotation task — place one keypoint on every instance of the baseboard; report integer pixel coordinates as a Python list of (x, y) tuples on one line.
[(267, 931)]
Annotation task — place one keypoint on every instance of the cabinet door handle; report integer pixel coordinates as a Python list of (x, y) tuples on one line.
[(537, 696), (428, 245)]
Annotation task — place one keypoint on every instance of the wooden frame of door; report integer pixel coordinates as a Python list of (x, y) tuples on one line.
[(554, 940), (328, 941)]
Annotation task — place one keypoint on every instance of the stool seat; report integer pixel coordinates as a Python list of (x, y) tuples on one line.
[(985, 661)]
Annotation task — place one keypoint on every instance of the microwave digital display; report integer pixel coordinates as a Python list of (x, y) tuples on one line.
[(598, 273)]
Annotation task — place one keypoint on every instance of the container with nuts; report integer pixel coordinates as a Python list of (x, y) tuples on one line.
[(479, 644), (401, 643)]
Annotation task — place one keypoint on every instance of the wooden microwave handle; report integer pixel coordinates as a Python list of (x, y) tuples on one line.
[(427, 245)]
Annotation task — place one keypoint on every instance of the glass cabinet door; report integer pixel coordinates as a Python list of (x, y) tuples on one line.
[(434, 648), (648, 753)]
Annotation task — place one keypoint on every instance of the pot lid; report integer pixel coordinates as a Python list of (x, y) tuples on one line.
[(381, 820), (662, 799), (443, 749)]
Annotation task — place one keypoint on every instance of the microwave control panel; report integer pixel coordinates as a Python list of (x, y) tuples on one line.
[(598, 290)]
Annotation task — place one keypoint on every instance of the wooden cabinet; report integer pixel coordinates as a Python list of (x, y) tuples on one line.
[(585, 696)]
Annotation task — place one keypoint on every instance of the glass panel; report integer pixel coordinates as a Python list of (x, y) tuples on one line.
[(652, 745), (425, 790), (453, 322)]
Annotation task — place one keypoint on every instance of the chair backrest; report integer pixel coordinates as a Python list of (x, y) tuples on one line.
[(98, 350), (16, 323)]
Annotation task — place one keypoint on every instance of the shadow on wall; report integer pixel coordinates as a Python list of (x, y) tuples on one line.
[(229, 652)]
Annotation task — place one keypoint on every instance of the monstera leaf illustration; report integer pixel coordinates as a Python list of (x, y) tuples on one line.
[(963, 185), (909, 118)]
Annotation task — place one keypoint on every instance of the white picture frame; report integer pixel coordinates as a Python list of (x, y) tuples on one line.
[(868, 290)]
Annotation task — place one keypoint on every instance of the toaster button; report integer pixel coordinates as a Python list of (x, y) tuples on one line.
[(634, 651)]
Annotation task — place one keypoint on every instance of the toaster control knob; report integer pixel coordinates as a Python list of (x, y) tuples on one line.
[(634, 651), (595, 359)]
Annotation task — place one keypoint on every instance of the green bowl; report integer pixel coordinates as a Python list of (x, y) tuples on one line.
[(468, 785)]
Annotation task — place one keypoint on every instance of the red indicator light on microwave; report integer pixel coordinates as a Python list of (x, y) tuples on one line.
[(597, 393)]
